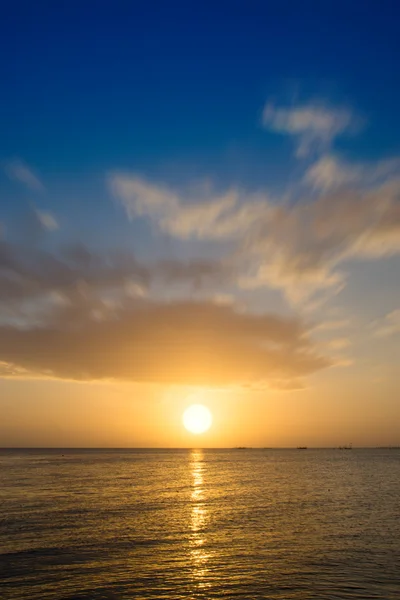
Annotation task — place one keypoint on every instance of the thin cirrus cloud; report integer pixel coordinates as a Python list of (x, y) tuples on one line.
[(330, 172), (33, 224), (301, 248), (314, 126), (389, 325), (206, 217), (339, 343), (296, 248), (18, 170), (47, 220)]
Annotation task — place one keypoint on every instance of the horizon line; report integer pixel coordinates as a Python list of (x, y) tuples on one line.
[(388, 446)]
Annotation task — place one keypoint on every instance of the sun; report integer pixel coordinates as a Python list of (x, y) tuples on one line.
[(197, 418)]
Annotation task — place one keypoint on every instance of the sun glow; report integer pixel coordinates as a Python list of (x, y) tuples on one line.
[(197, 418)]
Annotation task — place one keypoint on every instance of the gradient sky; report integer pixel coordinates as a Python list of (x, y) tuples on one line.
[(199, 203)]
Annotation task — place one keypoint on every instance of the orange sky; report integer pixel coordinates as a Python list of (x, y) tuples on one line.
[(63, 414)]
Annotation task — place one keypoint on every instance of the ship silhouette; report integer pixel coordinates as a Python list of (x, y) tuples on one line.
[(348, 447)]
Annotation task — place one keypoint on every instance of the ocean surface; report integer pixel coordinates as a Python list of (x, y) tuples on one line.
[(180, 524)]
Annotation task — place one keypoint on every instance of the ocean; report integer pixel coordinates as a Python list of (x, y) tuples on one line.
[(187, 524)]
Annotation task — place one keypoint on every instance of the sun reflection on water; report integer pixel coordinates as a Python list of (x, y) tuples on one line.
[(199, 518)]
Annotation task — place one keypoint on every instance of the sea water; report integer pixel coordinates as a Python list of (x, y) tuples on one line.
[(187, 524)]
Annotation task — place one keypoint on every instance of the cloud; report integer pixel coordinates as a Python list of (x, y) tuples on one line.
[(186, 343), (314, 126), (294, 247), (300, 247), (17, 170), (77, 314), (32, 227), (47, 220), (36, 285), (339, 343), (332, 325), (329, 172), (389, 325), (11, 371), (209, 216)]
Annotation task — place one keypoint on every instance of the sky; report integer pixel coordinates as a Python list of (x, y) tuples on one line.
[(199, 203)]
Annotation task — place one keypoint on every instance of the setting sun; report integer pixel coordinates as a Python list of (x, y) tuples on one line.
[(197, 418)]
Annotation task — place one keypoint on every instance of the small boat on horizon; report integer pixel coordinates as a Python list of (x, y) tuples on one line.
[(302, 448), (348, 447)]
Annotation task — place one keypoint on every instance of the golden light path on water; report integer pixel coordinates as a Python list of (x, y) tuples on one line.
[(199, 518)]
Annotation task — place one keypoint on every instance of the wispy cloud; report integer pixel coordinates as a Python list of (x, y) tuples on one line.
[(389, 325), (330, 172), (12, 371), (300, 249), (296, 248), (47, 220), (332, 325), (18, 170), (185, 216), (314, 126), (339, 343)]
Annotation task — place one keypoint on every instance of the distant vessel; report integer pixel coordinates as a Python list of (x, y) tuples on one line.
[(241, 448), (349, 447), (301, 447)]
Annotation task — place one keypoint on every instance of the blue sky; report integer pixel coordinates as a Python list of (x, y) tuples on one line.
[(176, 92), (240, 155), (90, 86)]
